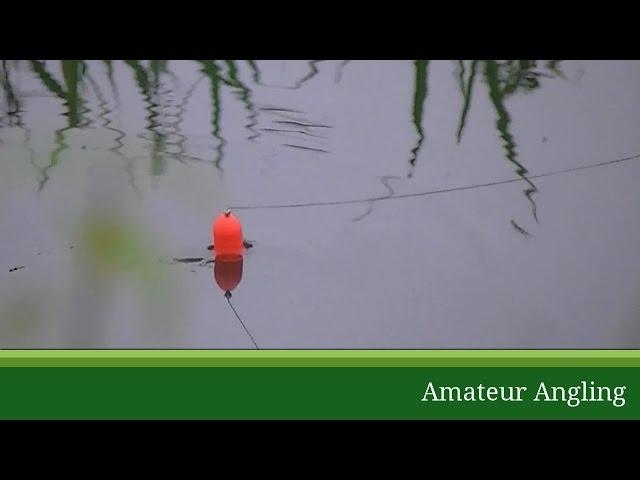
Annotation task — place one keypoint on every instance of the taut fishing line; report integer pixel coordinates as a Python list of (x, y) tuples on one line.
[(228, 297), (433, 192)]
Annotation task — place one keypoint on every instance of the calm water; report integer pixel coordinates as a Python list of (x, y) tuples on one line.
[(392, 204)]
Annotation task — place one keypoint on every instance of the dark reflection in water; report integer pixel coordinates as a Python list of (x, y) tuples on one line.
[(497, 92), (312, 73), (244, 94), (105, 114), (114, 88), (255, 70), (390, 192), (149, 84), (73, 73), (340, 69), (466, 90), (211, 70), (14, 113), (420, 95), (13, 110)]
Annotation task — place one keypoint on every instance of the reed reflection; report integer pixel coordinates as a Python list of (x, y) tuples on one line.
[(502, 79), (73, 72), (166, 106)]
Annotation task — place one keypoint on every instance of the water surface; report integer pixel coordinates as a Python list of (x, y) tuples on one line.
[(392, 204)]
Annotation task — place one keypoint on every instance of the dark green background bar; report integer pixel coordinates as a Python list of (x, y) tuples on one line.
[(347, 392)]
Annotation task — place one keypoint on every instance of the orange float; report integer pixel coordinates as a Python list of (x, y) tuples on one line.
[(227, 234)]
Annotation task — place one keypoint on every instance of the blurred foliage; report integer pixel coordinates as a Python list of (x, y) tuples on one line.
[(115, 251), (112, 245)]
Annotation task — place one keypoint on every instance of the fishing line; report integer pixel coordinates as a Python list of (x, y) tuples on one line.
[(228, 297), (433, 192)]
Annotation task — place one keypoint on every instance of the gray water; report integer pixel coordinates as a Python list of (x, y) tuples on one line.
[(392, 204)]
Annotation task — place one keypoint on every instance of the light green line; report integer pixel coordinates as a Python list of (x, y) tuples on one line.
[(6, 353), (320, 358)]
